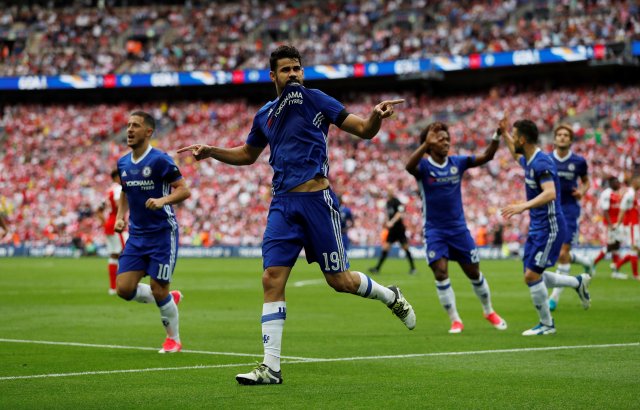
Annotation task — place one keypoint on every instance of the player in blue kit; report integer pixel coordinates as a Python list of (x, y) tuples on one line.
[(571, 168), (304, 211), (446, 234), (151, 183), (547, 228)]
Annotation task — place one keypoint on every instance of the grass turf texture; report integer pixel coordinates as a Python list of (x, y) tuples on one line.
[(65, 300)]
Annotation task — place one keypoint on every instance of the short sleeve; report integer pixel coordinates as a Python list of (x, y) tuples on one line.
[(583, 168), (256, 137), (170, 171), (332, 109)]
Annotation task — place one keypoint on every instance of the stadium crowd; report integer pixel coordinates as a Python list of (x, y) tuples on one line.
[(197, 35), (56, 162)]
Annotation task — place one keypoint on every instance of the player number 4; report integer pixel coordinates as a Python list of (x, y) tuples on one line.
[(335, 260)]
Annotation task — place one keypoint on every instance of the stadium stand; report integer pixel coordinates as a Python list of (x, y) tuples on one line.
[(57, 160), (36, 40)]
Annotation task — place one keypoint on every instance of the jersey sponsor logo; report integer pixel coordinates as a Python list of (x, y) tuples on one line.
[(531, 183), (144, 184), (146, 171), (294, 97), (566, 175)]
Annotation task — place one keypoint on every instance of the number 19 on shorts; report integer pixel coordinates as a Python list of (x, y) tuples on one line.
[(334, 259)]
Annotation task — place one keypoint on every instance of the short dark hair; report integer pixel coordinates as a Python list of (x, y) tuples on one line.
[(564, 127), (435, 127), (114, 173), (147, 119), (283, 52), (528, 129)]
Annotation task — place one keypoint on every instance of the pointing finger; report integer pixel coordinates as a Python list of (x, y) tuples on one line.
[(189, 148)]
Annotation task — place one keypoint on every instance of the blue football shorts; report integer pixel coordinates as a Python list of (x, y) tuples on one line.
[(156, 255), (309, 220), (542, 248), (452, 244), (571, 217)]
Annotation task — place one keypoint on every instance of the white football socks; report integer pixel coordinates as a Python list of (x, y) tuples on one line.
[(448, 299), (170, 317), (481, 289), (143, 294), (554, 280), (562, 269), (273, 316), (371, 289), (538, 292)]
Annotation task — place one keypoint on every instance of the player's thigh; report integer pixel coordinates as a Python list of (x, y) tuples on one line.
[(542, 250), (283, 236), (163, 256), (462, 247), (436, 247), (322, 232)]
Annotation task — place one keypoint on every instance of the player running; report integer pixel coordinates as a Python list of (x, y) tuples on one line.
[(547, 228), (151, 183), (571, 168), (447, 237), (304, 210)]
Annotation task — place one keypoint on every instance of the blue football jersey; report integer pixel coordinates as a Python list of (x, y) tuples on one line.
[(539, 169), (570, 169), (295, 126), (440, 190), (148, 177)]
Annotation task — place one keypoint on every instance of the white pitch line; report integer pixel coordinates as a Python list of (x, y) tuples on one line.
[(335, 359), (152, 369), (46, 342), (309, 282)]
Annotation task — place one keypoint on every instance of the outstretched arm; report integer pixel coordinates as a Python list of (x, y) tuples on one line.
[(241, 155), (368, 128), (414, 159), (488, 153)]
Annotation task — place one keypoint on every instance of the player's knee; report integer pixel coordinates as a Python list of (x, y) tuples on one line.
[(125, 292)]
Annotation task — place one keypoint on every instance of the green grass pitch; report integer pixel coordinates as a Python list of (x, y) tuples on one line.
[(341, 351)]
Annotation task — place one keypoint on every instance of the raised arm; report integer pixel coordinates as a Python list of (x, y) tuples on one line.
[(503, 128), (490, 152), (413, 161), (241, 155), (368, 128), (547, 195)]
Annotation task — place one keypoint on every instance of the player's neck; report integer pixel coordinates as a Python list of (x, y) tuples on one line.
[(562, 152), (138, 152), (438, 159), (529, 151)]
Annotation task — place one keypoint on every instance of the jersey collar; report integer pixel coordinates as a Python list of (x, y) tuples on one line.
[(143, 156), (561, 159), (533, 156), (435, 164)]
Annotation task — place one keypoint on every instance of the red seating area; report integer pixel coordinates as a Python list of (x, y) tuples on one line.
[(56, 161)]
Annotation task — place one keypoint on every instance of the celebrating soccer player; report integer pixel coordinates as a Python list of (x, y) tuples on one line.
[(446, 234), (547, 228), (148, 176), (304, 210), (571, 168)]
